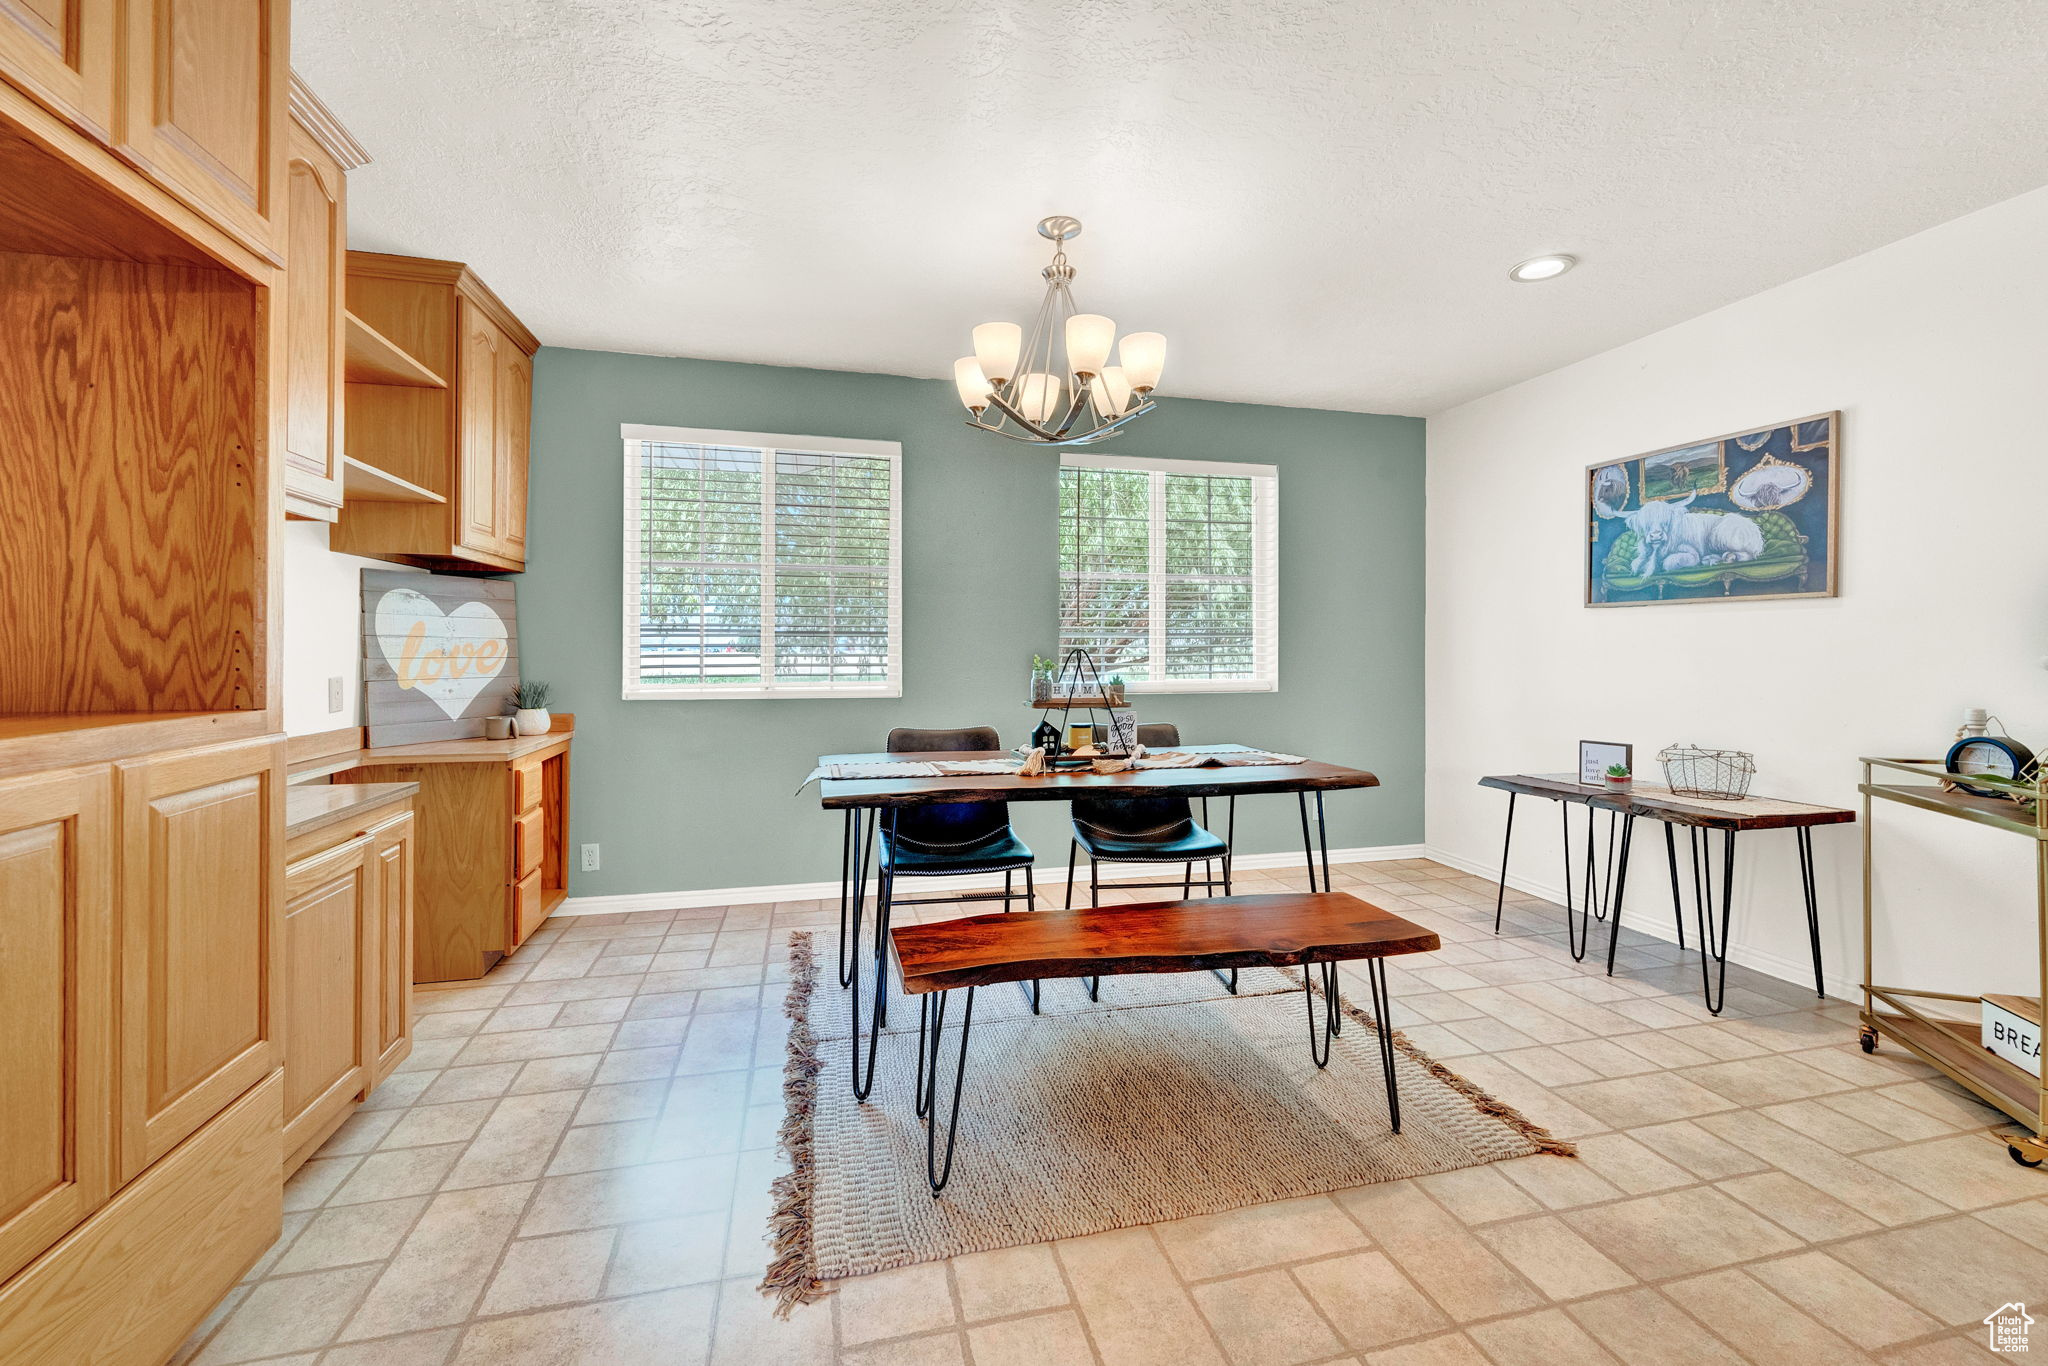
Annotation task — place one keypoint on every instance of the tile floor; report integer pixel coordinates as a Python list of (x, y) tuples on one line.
[(573, 1166)]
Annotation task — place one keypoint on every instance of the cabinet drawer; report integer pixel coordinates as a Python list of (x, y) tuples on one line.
[(526, 786), (529, 836), (526, 911)]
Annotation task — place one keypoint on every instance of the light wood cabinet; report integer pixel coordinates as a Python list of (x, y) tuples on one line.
[(391, 865), (57, 1008), (330, 950), (202, 873), (61, 53), (347, 984), (493, 824), (202, 108), (449, 413), (315, 318)]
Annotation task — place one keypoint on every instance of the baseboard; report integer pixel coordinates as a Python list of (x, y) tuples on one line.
[(1796, 970), (1045, 871)]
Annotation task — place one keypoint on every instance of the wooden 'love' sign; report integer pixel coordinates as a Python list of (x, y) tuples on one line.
[(440, 653)]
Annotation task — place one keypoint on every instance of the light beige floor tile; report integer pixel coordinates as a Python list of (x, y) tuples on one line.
[(349, 1234), (410, 1349), (516, 1142), (362, 1131), (749, 1333), (539, 1273), (425, 1124), (1964, 1171), (289, 1314), (399, 1172), (888, 1304), (1699, 1152), (672, 1327), (1011, 1280), (619, 1195), (933, 1349), (1630, 1165), (1967, 1348), (1652, 1098), (1547, 1338), (1765, 1081), (1479, 1195), (1437, 1252), (485, 1082), (668, 1252), (555, 1074), (1679, 1232), (1806, 1212), (1258, 1236), (1556, 1260), (1643, 1328), (1055, 1339), (1763, 1327), (1263, 1319), (1136, 1312), (443, 1265), (1450, 1349), (1828, 1126), (2026, 1221), (1853, 1306), (1558, 1184), (1368, 1300), (1956, 1269), (1854, 1183)]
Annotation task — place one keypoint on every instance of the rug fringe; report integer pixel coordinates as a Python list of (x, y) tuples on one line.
[(1484, 1102), (792, 1275)]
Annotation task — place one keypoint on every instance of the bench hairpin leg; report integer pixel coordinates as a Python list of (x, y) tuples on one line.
[(1308, 844), (845, 886), (931, 1033), (1500, 896), (1030, 988), (1382, 1014), (1094, 901), (1330, 1008)]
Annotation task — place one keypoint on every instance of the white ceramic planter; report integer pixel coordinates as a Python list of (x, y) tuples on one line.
[(531, 721)]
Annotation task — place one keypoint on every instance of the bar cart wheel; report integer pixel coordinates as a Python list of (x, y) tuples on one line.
[(1868, 1038), (2028, 1152)]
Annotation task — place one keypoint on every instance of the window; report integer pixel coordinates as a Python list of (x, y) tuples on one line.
[(1169, 572), (762, 566)]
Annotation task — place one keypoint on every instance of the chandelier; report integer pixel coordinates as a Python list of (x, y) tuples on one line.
[(1013, 386)]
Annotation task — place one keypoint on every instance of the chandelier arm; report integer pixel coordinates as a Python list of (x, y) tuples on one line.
[(1022, 421)]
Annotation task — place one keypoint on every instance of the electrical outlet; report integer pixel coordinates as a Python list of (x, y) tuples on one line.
[(589, 858), (334, 693)]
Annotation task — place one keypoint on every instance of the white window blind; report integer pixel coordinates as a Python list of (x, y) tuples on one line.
[(1169, 571), (762, 566)]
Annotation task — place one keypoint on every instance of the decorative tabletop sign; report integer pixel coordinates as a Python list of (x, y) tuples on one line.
[(1748, 515), (440, 653), (1596, 757)]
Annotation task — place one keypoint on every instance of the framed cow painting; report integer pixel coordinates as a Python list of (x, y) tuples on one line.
[(1748, 515), (440, 653)]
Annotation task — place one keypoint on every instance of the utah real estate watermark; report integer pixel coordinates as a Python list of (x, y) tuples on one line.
[(2007, 1325)]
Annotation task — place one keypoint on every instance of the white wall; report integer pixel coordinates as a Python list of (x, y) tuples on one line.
[(1935, 349), (322, 630)]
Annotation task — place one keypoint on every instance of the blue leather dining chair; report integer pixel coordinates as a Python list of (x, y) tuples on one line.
[(1149, 830)]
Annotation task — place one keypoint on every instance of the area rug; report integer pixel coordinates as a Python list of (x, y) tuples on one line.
[(1169, 1098)]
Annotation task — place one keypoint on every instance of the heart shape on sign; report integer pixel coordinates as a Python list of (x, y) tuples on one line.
[(446, 656)]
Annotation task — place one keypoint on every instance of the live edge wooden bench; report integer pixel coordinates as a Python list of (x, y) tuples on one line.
[(1313, 930)]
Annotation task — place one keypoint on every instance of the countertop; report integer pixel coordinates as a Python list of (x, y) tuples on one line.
[(464, 751), (313, 805)]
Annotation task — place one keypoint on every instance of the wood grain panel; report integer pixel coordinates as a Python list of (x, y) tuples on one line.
[(330, 927), (135, 511), (56, 1008), (464, 847), (478, 375), (131, 1283), (202, 873), (391, 1005), (529, 841), (204, 108), (316, 251), (62, 53), (528, 908), (512, 433), (1157, 936)]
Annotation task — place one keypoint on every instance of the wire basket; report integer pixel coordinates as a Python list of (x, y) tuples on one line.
[(1690, 771)]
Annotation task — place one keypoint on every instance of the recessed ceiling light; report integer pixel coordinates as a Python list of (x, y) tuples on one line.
[(1542, 268)]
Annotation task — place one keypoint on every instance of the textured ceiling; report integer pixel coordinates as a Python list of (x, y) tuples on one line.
[(1316, 202)]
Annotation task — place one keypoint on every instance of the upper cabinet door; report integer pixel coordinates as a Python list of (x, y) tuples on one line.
[(514, 428), (202, 884), (203, 109), (315, 244), (480, 373), (56, 1008), (61, 52)]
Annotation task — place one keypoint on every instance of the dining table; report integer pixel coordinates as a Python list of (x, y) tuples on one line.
[(868, 788)]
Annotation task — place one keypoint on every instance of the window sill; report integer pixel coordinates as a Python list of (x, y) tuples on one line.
[(1202, 685), (658, 694)]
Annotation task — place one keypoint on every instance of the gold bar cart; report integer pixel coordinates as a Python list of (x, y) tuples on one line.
[(1952, 1046)]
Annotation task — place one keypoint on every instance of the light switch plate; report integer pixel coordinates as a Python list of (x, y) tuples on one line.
[(334, 693)]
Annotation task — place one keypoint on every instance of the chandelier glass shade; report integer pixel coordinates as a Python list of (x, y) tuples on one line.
[(1054, 385)]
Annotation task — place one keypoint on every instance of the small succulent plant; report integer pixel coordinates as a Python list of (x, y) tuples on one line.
[(531, 696)]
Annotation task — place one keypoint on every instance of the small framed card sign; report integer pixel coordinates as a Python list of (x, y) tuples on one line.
[(1597, 756)]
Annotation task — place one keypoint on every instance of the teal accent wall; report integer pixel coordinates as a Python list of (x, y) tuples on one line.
[(684, 795)]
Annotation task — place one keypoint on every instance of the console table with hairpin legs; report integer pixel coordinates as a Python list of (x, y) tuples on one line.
[(869, 804), (1605, 880)]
